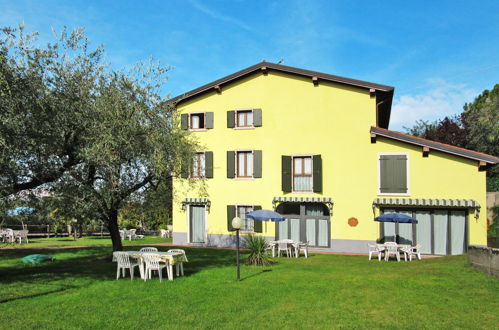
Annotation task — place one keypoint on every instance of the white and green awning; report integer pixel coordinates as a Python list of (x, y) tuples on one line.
[(195, 201), (429, 202), (326, 200)]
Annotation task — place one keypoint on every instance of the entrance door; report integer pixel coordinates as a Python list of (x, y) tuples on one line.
[(197, 223)]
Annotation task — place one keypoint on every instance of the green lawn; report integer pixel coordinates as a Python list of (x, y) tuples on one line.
[(84, 241), (78, 290)]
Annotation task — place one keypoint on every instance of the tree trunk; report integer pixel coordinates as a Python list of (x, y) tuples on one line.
[(112, 225)]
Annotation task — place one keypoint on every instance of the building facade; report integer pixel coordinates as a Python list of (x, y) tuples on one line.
[(317, 149)]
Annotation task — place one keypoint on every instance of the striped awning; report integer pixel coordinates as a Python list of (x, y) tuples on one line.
[(429, 202), (325, 200), (200, 201)]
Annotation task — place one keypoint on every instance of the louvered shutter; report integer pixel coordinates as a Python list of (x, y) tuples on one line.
[(231, 164), (317, 170), (257, 163), (184, 119), (208, 164), (286, 173), (231, 119), (393, 174), (209, 120), (257, 117), (231, 214)]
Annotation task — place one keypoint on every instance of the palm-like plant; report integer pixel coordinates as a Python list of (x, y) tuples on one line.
[(257, 245)]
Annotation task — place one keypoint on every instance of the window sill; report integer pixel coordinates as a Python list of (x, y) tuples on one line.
[(203, 178), (244, 179), (303, 192), (197, 129), (247, 232), (243, 128)]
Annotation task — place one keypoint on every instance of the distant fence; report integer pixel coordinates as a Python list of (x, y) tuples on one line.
[(485, 259), (55, 231)]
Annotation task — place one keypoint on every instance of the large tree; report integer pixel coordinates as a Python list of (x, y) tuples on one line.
[(476, 128), (90, 134)]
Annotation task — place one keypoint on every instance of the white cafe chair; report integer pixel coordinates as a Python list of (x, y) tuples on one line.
[(179, 266), (375, 248), (413, 251), (131, 234), (153, 263), (149, 249), (301, 247), (391, 248), (284, 245), (123, 260)]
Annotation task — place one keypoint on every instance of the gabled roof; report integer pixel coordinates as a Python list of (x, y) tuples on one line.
[(447, 148), (384, 94)]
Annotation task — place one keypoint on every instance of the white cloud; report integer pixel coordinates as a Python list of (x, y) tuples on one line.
[(218, 16), (440, 100)]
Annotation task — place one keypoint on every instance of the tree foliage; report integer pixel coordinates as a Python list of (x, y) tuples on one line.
[(97, 138), (476, 128)]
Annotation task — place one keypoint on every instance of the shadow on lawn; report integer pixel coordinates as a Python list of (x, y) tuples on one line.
[(79, 267)]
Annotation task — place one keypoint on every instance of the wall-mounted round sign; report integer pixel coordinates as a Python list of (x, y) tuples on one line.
[(353, 222)]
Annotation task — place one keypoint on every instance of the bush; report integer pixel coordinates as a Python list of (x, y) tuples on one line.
[(257, 245)]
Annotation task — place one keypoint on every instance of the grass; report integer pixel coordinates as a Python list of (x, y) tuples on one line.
[(84, 241), (78, 290)]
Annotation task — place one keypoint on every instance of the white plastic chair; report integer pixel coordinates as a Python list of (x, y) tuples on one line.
[(149, 249), (22, 235), (301, 247), (283, 245), (272, 246), (375, 248), (122, 235), (413, 251), (179, 265), (131, 234), (123, 260), (162, 233), (153, 262), (391, 248)]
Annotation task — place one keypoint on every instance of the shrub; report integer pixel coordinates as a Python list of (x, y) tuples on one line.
[(257, 246)]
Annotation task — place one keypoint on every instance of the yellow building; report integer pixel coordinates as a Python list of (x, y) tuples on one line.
[(316, 148)]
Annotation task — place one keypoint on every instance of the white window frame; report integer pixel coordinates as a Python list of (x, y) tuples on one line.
[(237, 215), (190, 114), (190, 171), (236, 170), (311, 156), (236, 122), (406, 174)]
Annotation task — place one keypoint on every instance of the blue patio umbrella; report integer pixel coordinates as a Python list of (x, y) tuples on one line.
[(264, 215), (20, 210), (396, 217)]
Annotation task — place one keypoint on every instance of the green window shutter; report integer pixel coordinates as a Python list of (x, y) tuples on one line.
[(317, 170), (257, 117), (257, 163), (231, 213), (231, 118), (208, 164), (257, 224), (209, 120), (184, 119), (231, 164), (286, 173), (393, 174)]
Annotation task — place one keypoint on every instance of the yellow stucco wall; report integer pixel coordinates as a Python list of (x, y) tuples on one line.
[(332, 120)]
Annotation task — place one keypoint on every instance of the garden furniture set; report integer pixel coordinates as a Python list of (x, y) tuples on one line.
[(129, 234), (288, 246), (393, 249), (14, 236), (149, 259)]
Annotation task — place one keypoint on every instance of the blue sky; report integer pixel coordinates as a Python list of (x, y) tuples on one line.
[(437, 54)]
